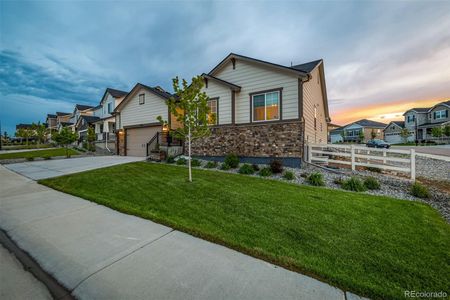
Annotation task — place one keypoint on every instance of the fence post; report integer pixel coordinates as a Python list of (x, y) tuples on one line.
[(384, 155), (413, 164), (352, 151), (309, 153)]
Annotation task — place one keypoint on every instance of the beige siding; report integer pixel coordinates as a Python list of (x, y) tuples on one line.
[(253, 78), (312, 96), (215, 90), (134, 113)]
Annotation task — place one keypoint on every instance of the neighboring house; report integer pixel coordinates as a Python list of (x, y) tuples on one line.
[(392, 133), (136, 120), (358, 132), (63, 120), (264, 110), (28, 127), (421, 121), (105, 125), (51, 122), (81, 110), (82, 125), (330, 128)]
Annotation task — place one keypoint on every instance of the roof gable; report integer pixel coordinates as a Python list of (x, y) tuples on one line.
[(156, 90), (230, 85)]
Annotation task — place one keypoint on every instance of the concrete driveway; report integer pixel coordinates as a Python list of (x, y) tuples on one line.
[(58, 167)]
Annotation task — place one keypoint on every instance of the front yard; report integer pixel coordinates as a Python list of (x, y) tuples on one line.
[(373, 246), (38, 153)]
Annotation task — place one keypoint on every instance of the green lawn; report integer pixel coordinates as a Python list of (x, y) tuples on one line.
[(373, 246), (30, 146), (38, 153)]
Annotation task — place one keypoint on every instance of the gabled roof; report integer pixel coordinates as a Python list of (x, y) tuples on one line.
[(400, 124), (232, 86), (59, 114), (367, 123), (445, 103), (88, 119), (257, 61), (420, 110), (158, 91), (116, 93), (51, 116), (308, 67), (82, 107)]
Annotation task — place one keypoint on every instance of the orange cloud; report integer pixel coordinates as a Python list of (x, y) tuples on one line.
[(380, 112)]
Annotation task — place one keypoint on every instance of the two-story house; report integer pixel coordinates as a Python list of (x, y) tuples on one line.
[(105, 124), (62, 120), (263, 110)]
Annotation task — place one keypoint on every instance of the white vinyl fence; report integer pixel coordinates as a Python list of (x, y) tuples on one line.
[(352, 156)]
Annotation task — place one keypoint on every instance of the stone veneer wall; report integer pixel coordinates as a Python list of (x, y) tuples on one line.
[(278, 139), (120, 140)]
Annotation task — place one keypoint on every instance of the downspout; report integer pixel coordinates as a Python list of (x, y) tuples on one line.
[(303, 117)]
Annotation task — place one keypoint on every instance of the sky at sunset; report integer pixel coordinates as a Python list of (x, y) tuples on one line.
[(381, 58)]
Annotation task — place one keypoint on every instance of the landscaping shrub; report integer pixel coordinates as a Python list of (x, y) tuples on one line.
[(419, 190), (225, 167), (373, 169), (265, 172), (195, 163), (276, 166), (181, 161), (46, 157), (289, 175), (30, 158), (232, 160), (255, 167), (316, 179), (338, 180), (246, 169), (371, 183), (170, 160), (211, 164), (353, 184)]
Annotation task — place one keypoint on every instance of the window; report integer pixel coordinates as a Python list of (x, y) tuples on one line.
[(266, 106), (141, 99), (212, 116), (110, 107), (411, 118), (440, 114)]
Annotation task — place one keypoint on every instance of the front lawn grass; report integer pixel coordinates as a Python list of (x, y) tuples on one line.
[(38, 153), (373, 246)]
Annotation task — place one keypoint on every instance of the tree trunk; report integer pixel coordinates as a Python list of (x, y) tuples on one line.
[(189, 154)]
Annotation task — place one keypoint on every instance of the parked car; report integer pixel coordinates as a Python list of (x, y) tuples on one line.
[(375, 143)]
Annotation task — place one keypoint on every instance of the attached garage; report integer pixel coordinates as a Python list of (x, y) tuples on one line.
[(137, 139)]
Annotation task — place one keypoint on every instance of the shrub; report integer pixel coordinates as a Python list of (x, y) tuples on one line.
[(371, 183), (46, 157), (232, 160), (316, 179), (353, 184), (211, 164), (195, 163), (246, 169), (265, 172), (225, 166), (338, 180), (170, 160), (289, 175), (373, 169), (30, 158), (181, 161), (255, 167), (276, 166), (419, 190)]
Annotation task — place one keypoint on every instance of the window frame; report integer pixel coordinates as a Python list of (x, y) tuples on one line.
[(441, 115), (143, 99), (280, 97), (108, 107), (217, 110)]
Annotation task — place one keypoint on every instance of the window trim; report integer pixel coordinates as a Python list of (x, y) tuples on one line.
[(280, 104), (442, 114), (108, 104), (143, 98), (217, 110)]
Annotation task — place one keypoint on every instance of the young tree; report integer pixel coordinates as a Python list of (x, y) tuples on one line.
[(24, 133), (361, 136), (404, 134), (91, 138), (190, 109), (436, 132), (447, 130), (343, 134), (373, 134), (40, 131), (64, 138)]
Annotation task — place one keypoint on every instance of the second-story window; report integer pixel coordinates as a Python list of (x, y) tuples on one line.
[(110, 108), (441, 114), (141, 99), (411, 118)]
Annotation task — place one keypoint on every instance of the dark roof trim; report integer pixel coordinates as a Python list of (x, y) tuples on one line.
[(232, 86), (51, 116), (137, 87), (257, 61), (445, 103), (82, 107), (59, 114), (105, 118)]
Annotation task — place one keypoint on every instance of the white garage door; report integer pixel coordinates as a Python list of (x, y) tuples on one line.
[(137, 139), (393, 138)]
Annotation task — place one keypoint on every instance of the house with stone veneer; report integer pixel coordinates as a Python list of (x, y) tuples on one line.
[(263, 110)]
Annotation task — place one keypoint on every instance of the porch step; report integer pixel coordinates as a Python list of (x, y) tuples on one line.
[(154, 156)]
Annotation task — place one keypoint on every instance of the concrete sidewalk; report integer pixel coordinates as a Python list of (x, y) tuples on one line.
[(99, 253)]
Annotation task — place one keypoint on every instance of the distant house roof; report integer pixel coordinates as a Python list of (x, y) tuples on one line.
[(83, 107), (23, 126), (399, 123), (89, 119), (116, 93), (59, 114), (369, 123), (307, 67), (51, 116)]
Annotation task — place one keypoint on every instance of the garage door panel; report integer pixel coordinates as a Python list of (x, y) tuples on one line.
[(137, 139)]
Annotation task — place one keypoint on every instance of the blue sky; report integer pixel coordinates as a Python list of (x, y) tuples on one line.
[(385, 54)]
